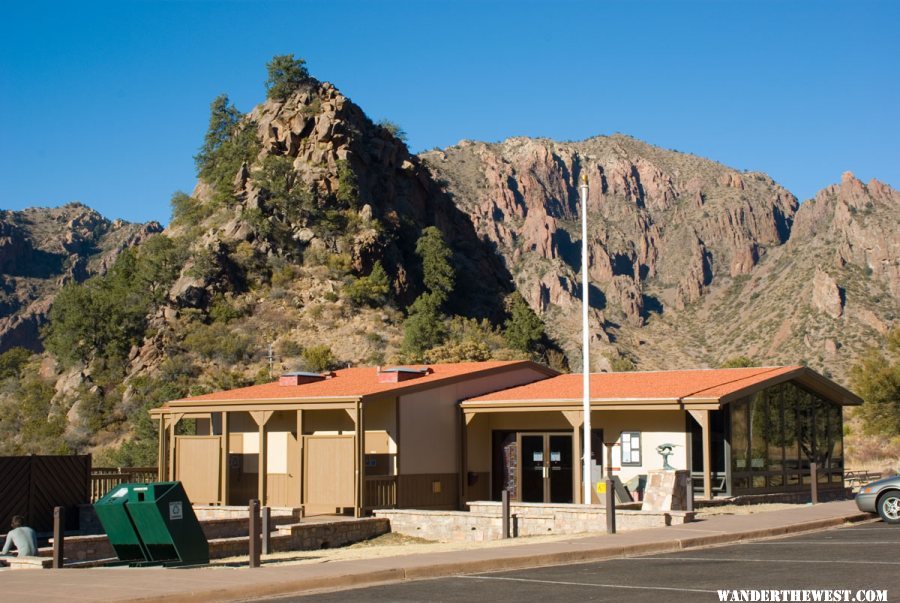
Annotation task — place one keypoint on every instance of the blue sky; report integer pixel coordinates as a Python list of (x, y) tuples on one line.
[(106, 103)]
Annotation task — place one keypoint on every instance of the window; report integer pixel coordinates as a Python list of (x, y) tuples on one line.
[(631, 449)]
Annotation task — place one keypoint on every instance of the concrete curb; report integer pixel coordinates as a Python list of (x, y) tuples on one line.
[(316, 584)]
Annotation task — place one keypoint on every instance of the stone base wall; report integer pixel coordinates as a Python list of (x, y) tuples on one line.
[(288, 537), (212, 512), (666, 490), (483, 522)]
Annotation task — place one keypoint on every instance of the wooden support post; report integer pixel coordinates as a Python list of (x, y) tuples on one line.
[(225, 468), (263, 466), (610, 493), (253, 532), (814, 483), (300, 452), (161, 460), (504, 513), (461, 481), (261, 417), (360, 461), (576, 420), (702, 418), (689, 495), (59, 525), (266, 528), (171, 454)]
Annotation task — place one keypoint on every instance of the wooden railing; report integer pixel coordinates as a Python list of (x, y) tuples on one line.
[(381, 492), (104, 479)]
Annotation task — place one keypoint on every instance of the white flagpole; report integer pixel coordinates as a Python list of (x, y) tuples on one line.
[(585, 346)]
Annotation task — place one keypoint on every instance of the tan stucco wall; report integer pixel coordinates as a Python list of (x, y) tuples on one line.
[(428, 421), (656, 427)]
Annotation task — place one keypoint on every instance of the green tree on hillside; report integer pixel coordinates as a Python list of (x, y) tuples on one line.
[(223, 120), (371, 290), (347, 191), (524, 329), (424, 326), (876, 377), (286, 75), (106, 315), (285, 194), (103, 317), (230, 142), (438, 274)]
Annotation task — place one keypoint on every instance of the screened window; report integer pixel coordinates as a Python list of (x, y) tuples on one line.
[(778, 433)]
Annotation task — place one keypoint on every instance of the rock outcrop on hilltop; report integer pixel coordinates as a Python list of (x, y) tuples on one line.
[(860, 222), (693, 261), (41, 249), (322, 133)]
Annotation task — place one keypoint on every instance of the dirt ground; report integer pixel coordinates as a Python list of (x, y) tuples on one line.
[(390, 544)]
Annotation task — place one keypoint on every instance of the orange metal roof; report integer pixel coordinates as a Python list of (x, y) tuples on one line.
[(358, 382), (652, 385)]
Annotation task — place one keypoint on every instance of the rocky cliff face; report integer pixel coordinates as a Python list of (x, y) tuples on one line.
[(692, 261), (41, 250)]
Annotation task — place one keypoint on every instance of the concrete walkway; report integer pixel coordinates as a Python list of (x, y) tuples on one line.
[(230, 584)]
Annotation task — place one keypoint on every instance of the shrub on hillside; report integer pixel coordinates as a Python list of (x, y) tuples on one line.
[(371, 290), (12, 361), (319, 358), (217, 342)]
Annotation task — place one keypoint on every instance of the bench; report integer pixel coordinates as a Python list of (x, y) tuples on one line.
[(27, 562)]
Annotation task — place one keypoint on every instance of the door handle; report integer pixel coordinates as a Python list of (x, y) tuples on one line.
[(545, 472)]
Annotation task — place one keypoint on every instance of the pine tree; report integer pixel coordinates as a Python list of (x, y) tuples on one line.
[(286, 75), (438, 275), (524, 329)]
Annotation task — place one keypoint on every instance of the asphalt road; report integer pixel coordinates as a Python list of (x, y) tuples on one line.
[(862, 557)]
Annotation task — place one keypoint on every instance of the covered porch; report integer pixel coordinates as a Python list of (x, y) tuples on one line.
[(535, 449), (326, 457)]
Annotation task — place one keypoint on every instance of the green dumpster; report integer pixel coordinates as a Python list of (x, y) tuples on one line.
[(152, 524)]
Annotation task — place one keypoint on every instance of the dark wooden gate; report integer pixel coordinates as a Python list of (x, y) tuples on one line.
[(32, 485)]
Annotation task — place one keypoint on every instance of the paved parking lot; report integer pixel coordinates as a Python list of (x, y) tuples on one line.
[(854, 558)]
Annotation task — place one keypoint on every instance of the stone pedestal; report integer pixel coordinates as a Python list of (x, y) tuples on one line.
[(666, 490)]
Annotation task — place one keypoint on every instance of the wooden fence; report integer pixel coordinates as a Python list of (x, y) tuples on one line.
[(33, 485), (104, 479)]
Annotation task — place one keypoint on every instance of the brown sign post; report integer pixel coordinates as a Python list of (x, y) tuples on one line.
[(59, 526), (814, 483), (610, 492), (254, 533)]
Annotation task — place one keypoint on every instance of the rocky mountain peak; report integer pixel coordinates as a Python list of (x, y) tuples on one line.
[(43, 248)]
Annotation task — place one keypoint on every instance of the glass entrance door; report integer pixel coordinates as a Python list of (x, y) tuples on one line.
[(545, 468), (560, 478), (531, 482)]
